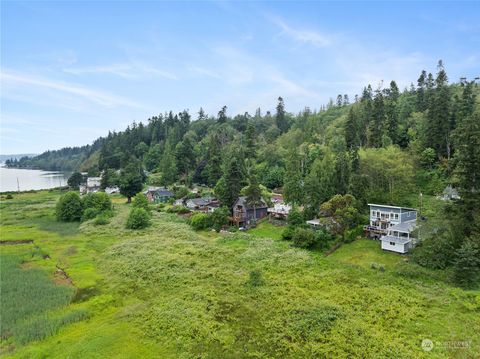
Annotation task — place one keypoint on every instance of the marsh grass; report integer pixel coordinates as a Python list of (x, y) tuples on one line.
[(28, 297)]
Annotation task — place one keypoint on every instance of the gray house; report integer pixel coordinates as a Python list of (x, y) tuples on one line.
[(158, 194), (244, 213), (393, 225)]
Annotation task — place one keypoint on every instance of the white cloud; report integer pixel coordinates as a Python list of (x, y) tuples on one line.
[(15, 82), (131, 71), (304, 36)]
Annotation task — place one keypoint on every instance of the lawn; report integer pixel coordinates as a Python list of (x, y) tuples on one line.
[(267, 230), (170, 292)]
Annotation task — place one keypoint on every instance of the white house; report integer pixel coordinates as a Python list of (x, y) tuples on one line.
[(399, 237), (92, 185)]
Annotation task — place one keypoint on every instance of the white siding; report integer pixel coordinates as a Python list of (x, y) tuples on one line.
[(399, 248)]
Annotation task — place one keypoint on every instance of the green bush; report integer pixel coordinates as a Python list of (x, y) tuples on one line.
[(89, 213), (303, 238), (323, 239), (295, 217), (98, 200), (69, 207), (138, 218), (255, 278), (287, 233), (9, 196), (352, 234), (102, 219), (200, 221), (140, 201)]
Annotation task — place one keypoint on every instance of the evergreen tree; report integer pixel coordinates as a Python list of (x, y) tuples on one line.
[(351, 130), (232, 181), (438, 118), (342, 173), (222, 115), (421, 104), (467, 170), (376, 126), (168, 166), (250, 140), (391, 112), (184, 157), (253, 193), (280, 116), (213, 167)]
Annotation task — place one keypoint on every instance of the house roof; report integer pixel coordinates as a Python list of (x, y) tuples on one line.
[(161, 191), (203, 201), (387, 206), (242, 201), (404, 227), (396, 240)]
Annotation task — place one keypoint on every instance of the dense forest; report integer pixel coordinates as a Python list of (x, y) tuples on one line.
[(385, 146)]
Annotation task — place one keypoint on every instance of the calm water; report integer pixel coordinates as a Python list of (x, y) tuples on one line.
[(30, 179)]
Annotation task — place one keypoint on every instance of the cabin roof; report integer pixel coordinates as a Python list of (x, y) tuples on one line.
[(396, 240), (387, 206), (404, 227), (242, 201)]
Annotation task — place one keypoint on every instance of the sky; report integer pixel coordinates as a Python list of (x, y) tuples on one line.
[(71, 71)]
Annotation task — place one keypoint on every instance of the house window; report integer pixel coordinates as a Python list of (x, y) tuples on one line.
[(392, 243), (396, 215)]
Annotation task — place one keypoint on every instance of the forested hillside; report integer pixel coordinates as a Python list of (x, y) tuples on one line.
[(65, 159), (386, 146)]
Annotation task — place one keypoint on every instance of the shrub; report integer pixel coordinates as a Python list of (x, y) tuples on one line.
[(255, 278), (140, 201), (9, 196), (101, 219), (138, 218), (69, 207), (351, 235), (99, 201), (323, 238), (287, 233), (200, 221), (295, 217), (89, 213), (303, 238)]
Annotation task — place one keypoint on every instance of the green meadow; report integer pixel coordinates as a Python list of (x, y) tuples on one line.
[(84, 291)]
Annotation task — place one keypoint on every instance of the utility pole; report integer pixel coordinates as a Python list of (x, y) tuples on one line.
[(18, 186)]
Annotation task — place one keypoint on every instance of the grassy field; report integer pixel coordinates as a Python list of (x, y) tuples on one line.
[(168, 292)]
